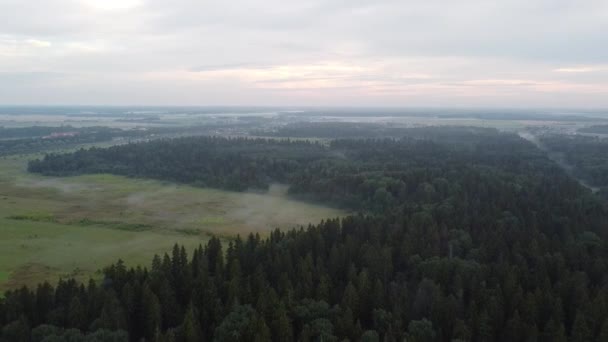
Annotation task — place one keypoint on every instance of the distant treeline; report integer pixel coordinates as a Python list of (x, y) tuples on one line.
[(487, 240), (40, 131), (597, 129), (452, 113), (455, 135), (37, 139), (44, 138), (332, 130)]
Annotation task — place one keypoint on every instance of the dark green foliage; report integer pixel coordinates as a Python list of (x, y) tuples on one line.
[(54, 334), (588, 156), (480, 241), (350, 130), (44, 139), (236, 325), (235, 164), (333, 130), (47, 131), (35, 139), (421, 331), (597, 129), (17, 331), (369, 175)]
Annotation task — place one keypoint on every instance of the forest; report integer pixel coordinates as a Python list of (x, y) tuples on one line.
[(332, 130), (460, 234), (595, 129), (36, 139), (337, 129), (586, 154), (41, 138)]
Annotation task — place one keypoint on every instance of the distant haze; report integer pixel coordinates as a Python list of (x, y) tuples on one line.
[(469, 53)]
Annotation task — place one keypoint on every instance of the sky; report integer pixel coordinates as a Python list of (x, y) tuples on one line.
[(404, 53)]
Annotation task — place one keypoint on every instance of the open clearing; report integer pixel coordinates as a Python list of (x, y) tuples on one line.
[(73, 226)]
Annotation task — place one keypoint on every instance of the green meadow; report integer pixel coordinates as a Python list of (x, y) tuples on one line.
[(52, 227)]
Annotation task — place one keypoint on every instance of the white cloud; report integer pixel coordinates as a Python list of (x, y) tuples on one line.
[(38, 43), (315, 52), (581, 69), (113, 5), (574, 70)]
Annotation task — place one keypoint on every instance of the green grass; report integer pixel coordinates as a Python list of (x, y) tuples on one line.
[(211, 220), (34, 216), (36, 251), (57, 227)]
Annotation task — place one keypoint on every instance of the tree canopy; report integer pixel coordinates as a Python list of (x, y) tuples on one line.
[(475, 239)]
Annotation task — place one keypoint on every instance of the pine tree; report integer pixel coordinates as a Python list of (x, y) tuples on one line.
[(191, 328), (350, 299), (555, 331), (77, 315), (112, 316), (260, 330), (580, 329), (421, 331), (603, 336), (17, 331), (282, 330), (151, 314)]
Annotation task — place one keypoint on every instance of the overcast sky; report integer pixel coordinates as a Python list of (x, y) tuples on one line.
[(504, 53)]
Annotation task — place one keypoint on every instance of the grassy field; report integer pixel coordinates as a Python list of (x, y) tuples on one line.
[(52, 227)]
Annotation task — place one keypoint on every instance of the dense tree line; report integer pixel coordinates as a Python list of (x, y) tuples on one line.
[(588, 156), (358, 278), (595, 129), (33, 131), (43, 138), (235, 164), (477, 241), (37, 139), (33, 145), (359, 174), (333, 130)]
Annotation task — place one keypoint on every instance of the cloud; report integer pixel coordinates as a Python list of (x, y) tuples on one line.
[(365, 51), (580, 69), (112, 5), (29, 77), (38, 43), (320, 75), (227, 67)]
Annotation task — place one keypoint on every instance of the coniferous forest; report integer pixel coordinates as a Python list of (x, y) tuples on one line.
[(586, 154), (459, 234)]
